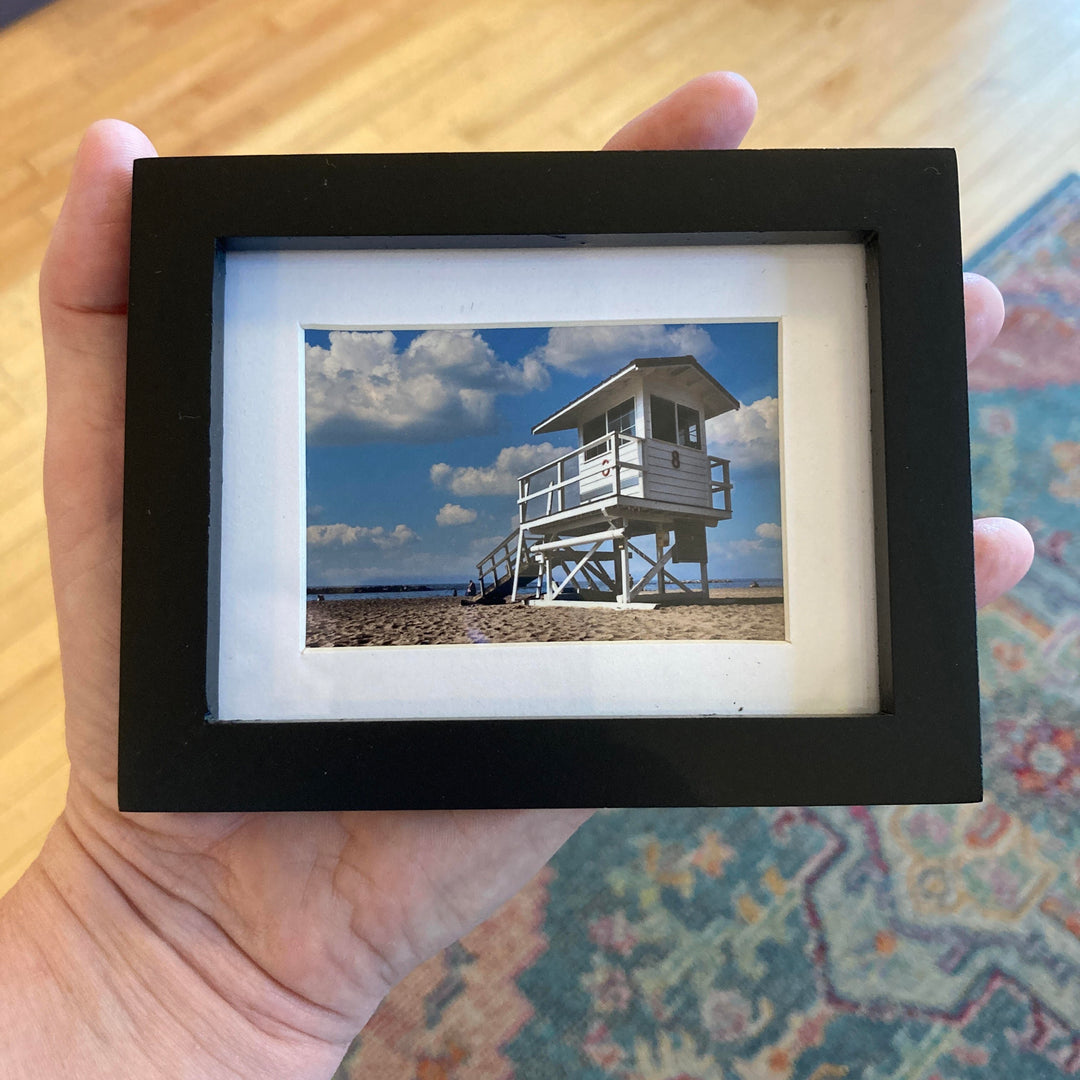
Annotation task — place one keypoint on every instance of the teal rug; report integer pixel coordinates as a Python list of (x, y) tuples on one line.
[(914, 942)]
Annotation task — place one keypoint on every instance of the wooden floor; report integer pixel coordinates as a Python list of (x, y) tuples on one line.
[(998, 79)]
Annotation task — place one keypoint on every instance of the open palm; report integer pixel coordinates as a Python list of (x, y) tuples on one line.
[(299, 923)]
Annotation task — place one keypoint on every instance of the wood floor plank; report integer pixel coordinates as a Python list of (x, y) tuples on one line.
[(32, 701), (21, 446), (35, 758), (23, 654)]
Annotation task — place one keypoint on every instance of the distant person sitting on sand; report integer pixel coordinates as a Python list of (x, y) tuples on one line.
[(470, 589)]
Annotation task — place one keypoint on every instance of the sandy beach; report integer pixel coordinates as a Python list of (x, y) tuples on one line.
[(732, 614)]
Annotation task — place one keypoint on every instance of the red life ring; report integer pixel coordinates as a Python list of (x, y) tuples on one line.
[(605, 467)]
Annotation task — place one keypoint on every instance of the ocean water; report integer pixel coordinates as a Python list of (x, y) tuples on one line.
[(422, 592), (397, 592)]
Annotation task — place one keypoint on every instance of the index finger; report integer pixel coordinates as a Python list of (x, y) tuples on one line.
[(711, 112)]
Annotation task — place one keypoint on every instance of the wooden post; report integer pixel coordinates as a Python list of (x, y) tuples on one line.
[(517, 561), (705, 580), (661, 543), (560, 478), (623, 554)]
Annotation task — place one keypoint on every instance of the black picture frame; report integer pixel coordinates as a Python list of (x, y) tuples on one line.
[(901, 205)]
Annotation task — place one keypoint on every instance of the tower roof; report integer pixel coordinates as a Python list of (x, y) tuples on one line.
[(698, 383)]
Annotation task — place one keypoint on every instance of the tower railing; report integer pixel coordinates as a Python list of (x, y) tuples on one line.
[(506, 561), (598, 470), (594, 464), (723, 485)]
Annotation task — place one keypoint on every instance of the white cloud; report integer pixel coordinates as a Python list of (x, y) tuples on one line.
[(767, 534), (363, 388), (745, 559), (349, 535), (499, 478), (602, 349), (484, 545), (743, 547), (354, 566), (440, 473), (750, 436), (452, 514)]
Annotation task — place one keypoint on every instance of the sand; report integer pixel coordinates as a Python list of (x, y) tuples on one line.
[(733, 614)]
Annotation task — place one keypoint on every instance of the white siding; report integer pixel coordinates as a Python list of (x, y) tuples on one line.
[(687, 485), (594, 485)]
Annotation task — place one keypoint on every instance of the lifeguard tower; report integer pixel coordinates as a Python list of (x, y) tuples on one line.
[(641, 470)]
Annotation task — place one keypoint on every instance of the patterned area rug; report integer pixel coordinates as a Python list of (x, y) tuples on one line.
[(915, 942)]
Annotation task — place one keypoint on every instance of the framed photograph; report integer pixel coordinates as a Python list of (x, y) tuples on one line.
[(510, 480)]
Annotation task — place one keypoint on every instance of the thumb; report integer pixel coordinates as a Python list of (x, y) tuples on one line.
[(83, 295), (85, 268), (84, 324)]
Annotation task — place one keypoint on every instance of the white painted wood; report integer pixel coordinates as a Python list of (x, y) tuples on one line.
[(517, 564), (569, 541), (689, 483), (659, 568), (651, 510), (572, 574), (624, 570), (620, 461), (655, 568), (661, 543), (674, 489), (613, 606)]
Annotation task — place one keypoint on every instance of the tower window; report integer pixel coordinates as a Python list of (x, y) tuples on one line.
[(619, 418), (674, 423)]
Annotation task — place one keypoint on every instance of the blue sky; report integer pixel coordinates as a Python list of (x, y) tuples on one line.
[(415, 439)]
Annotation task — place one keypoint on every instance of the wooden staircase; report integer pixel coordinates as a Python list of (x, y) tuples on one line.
[(497, 569)]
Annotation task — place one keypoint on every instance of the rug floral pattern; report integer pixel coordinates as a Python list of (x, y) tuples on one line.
[(887, 943)]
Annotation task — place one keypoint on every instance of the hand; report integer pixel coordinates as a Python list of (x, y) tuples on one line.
[(258, 943)]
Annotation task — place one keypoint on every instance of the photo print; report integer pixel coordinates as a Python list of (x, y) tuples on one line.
[(534, 484)]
